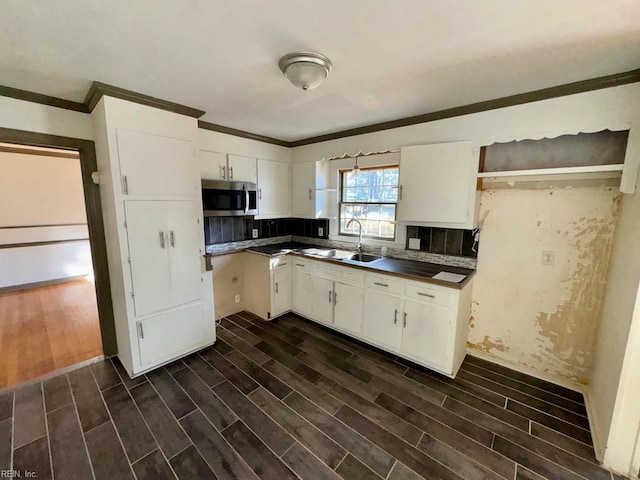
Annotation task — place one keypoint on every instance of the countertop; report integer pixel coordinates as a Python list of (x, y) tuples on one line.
[(408, 269)]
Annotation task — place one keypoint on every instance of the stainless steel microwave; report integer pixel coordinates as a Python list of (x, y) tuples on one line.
[(222, 199)]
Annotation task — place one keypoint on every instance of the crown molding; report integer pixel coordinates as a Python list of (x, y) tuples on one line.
[(42, 99), (582, 86), (98, 90), (242, 133)]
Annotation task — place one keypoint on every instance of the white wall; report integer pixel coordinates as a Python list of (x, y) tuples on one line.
[(224, 143), (619, 303), (35, 192), (34, 117)]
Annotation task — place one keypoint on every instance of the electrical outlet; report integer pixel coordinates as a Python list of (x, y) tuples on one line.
[(237, 298), (254, 233), (320, 231), (414, 243), (548, 257)]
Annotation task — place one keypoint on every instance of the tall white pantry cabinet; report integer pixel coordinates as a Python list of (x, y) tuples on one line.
[(150, 192)]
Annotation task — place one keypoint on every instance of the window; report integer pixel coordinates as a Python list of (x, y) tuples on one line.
[(370, 197)]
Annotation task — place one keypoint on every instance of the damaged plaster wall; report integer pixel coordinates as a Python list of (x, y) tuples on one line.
[(543, 318)]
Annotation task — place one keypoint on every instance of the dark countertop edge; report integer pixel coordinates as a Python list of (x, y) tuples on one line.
[(369, 268), (407, 276)]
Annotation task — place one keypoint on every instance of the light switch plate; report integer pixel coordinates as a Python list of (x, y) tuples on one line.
[(414, 243), (254, 233)]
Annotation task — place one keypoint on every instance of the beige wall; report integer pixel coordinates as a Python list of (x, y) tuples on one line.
[(543, 318), (38, 190), (620, 298), (225, 268)]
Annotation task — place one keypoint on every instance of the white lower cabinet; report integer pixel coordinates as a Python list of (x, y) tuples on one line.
[(301, 292), (383, 314), (281, 288), (322, 303), (427, 333), (168, 335), (347, 307), (422, 322)]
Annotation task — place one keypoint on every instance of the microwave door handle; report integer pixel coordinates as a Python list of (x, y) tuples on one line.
[(246, 199)]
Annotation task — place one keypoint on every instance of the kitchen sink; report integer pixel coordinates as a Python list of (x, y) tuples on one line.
[(363, 257), (346, 255)]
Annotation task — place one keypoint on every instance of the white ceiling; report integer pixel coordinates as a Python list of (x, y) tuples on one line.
[(392, 59)]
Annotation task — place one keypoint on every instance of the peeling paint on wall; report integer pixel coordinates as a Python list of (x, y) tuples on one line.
[(543, 317)]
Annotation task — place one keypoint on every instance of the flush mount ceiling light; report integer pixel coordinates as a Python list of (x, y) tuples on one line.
[(306, 70)]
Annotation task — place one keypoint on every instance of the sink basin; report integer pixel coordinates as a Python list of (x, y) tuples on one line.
[(363, 257)]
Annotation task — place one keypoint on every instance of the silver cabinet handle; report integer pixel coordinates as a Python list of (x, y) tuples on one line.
[(161, 239), (172, 239), (426, 295), (310, 192), (230, 173), (330, 299), (300, 265), (400, 193), (395, 316), (405, 319), (223, 172), (259, 194), (380, 284), (276, 287), (335, 298), (141, 330), (125, 185)]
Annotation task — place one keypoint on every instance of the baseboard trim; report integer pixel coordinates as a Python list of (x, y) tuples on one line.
[(45, 283), (563, 382)]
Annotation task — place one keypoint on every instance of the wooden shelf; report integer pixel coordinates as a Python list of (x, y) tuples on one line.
[(552, 171)]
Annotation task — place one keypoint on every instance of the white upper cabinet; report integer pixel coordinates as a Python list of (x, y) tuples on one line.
[(154, 165), (438, 185), (242, 169), (273, 189), (220, 166), (303, 190)]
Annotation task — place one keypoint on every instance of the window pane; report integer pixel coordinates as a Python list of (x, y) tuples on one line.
[(349, 195)]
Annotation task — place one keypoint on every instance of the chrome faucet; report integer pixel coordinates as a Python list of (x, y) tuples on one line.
[(359, 247)]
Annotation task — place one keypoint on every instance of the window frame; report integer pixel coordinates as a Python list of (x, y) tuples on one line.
[(341, 202)]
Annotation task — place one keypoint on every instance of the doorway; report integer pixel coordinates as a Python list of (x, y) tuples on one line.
[(55, 299)]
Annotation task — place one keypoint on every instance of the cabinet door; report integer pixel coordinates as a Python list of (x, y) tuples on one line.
[(155, 165), (184, 247), (437, 182), (281, 291), (242, 169), (427, 333), (148, 255), (383, 319), (322, 304), (303, 182), (273, 188), (301, 294), (213, 165), (172, 334), (347, 301)]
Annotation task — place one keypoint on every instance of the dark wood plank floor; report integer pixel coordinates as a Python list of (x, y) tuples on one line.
[(289, 399)]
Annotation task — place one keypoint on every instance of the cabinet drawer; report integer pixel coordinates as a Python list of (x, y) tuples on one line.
[(427, 294), (280, 263), (345, 275), (385, 284), (302, 265)]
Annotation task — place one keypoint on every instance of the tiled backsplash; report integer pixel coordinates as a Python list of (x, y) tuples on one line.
[(444, 241), (219, 230)]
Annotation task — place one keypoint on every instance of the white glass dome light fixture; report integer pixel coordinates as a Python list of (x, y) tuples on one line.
[(306, 70)]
